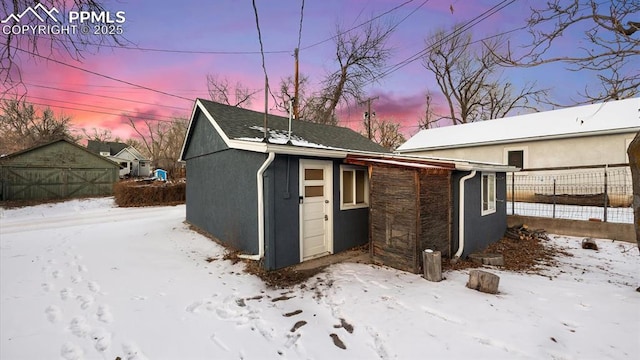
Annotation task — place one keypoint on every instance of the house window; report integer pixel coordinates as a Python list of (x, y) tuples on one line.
[(516, 158), (488, 193), (354, 185)]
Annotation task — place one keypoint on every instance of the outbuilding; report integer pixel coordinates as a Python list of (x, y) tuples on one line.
[(283, 198), (307, 190), (58, 169)]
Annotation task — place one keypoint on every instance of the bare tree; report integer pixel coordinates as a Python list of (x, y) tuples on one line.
[(429, 118), (34, 45), (610, 37), (360, 56), (286, 93), (470, 79), (161, 141), (100, 135), (23, 126), (220, 90), (387, 134)]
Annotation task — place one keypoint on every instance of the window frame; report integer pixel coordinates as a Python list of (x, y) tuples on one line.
[(525, 155), (354, 204), (491, 202)]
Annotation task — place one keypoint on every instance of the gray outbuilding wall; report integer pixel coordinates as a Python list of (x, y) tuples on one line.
[(480, 231), (221, 193), (350, 227), (282, 210)]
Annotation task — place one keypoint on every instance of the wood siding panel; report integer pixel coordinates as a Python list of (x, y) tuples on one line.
[(435, 209), (37, 183), (56, 170), (394, 212)]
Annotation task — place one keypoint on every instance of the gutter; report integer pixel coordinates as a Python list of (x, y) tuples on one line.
[(461, 215), (260, 181)]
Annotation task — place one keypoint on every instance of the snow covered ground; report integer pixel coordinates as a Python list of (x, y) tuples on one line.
[(84, 279), (573, 212)]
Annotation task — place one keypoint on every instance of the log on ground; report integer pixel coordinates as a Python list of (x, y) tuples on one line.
[(483, 281)]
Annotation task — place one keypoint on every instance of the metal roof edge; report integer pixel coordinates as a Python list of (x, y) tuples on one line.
[(456, 164)]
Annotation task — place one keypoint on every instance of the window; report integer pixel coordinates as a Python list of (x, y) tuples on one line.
[(488, 194), (354, 185), (516, 158)]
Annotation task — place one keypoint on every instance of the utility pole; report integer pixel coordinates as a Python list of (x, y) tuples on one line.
[(367, 116), (296, 83)]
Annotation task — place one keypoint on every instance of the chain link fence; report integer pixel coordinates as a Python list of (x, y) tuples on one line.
[(602, 193)]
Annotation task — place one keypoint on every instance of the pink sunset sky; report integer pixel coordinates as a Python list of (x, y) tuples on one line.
[(175, 45)]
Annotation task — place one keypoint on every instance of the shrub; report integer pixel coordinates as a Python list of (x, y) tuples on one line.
[(148, 193)]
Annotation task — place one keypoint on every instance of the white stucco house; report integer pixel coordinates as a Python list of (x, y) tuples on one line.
[(589, 135)]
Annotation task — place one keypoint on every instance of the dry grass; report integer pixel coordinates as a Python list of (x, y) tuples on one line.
[(527, 255)]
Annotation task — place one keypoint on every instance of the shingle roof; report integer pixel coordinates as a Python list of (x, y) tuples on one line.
[(112, 147), (19, 153), (248, 125), (610, 117)]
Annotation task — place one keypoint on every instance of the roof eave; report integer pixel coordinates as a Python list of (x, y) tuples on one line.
[(532, 138)]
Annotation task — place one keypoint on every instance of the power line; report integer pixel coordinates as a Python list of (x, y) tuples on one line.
[(411, 13), (468, 25), (80, 104), (267, 89), (455, 32), (201, 52), (105, 96), (359, 25), (101, 112), (105, 86), (102, 75)]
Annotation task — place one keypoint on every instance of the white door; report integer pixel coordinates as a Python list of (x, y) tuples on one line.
[(315, 208)]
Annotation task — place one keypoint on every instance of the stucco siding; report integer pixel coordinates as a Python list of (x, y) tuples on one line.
[(581, 151), (479, 230), (222, 197), (204, 139), (350, 227), (283, 229)]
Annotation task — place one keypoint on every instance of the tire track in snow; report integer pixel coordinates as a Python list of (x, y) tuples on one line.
[(50, 223)]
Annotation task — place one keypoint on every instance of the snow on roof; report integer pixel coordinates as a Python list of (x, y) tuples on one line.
[(282, 137), (610, 117)]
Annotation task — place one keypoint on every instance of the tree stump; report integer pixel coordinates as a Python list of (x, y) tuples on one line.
[(483, 281), (432, 263), (589, 243)]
